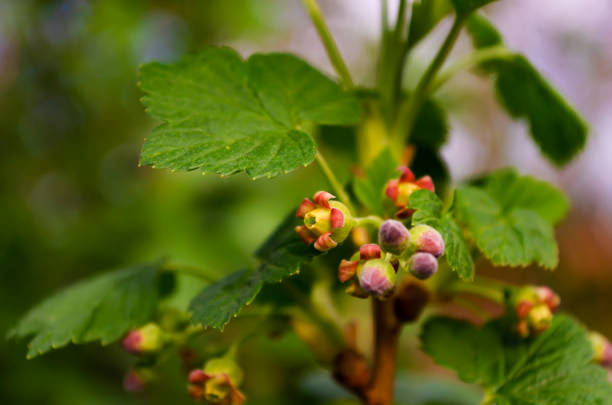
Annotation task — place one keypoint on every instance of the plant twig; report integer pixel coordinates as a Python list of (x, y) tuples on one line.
[(328, 42), (331, 177)]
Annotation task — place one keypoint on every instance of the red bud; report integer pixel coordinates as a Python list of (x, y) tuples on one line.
[(347, 270), (325, 242), (369, 251), (407, 175)]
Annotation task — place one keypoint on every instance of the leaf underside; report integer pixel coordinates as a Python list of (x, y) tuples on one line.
[(225, 115)]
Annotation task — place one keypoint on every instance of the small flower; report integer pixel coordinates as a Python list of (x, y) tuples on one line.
[(602, 349), (377, 277), (393, 237), (326, 223), (399, 190), (217, 382), (422, 265), (136, 379), (424, 238), (145, 340), (534, 307)]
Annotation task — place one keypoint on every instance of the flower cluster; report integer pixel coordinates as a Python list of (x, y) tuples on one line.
[(217, 382), (534, 308), (326, 223), (399, 190), (374, 275)]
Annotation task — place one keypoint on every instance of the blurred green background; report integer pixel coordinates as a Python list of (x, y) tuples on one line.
[(74, 203)]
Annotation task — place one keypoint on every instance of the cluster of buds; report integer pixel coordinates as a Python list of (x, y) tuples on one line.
[(534, 308), (371, 274), (326, 223), (399, 190), (217, 382), (144, 341)]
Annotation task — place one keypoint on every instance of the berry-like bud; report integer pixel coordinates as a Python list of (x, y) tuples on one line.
[(422, 265), (393, 237), (136, 379), (602, 349), (410, 301), (369, 251), (217, 382), (326, 223), (539, 318), (424, 238), (145, 340), (399, 190), (377, 277)]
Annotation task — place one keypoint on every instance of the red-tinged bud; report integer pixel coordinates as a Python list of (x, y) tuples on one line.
[(145, 340), (198, 376), (336, 218), (424, 238), (426, 183), (407, 175), (325, 242), (422, 265), (392, 189), (307, 236), (356, 291), (347, 270), (322, 198), (523, 308), (393, 237), (548, 296), (602, 349), (136, 379), (377, 277), (539, 318), (217, 382), (305, 207), (369, 251)]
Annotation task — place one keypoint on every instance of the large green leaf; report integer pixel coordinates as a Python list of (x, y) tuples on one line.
[(371, 189), (431, 126), (554, 125), (429, 210), (555, 368), (102, 308), (281, 256), (224, 115), (510, 218)]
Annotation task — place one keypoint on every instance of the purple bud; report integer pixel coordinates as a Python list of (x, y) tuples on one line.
[(377, 277), (393, 237), (424, 238), (422, 265)]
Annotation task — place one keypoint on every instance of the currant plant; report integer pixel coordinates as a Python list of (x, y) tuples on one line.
[(396, 233)]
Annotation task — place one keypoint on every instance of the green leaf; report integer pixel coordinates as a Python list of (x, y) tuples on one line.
[(555, 126), (371, 189), (555, 368), (224, 115), (102, 308), (431, 126), (426, 14), (429, 211), (505, 236), (281, 256), (514, 191), (219, 302), (465, 7)]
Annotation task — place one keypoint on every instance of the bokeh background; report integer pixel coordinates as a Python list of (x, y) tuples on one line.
[(73, 201)]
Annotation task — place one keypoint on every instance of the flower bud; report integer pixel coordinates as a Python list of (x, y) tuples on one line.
[(539, 318), (548, 296), (217, 382), (377, 277), (326, 223), (602, 349), (369, 251), (399, 190), (422, 265), (145, 340), (424, 238), (136, 379), (393, 237)]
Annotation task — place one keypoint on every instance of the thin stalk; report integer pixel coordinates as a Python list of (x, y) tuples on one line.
[(410, 110), (331, 177), (328, 42), (399, 44), (470, 61)]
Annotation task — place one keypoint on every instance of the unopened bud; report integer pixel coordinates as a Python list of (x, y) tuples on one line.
[(424, 238), (539, 318), (377, 277), (369, 251), (548, 296), (602, 349), (422, 265), (217, 382), (393, 237), (145, 340)]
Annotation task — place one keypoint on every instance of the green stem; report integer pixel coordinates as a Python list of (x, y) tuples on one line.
[(188, 270), (331, 177), (410, 110), (328, 42), (399, 44), (373, 220), (470, 61)]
